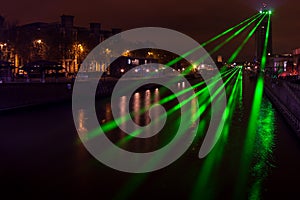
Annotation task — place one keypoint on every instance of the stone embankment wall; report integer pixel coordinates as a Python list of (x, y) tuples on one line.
[(286, 98)]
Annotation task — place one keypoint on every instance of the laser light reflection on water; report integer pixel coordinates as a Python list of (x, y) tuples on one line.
[(263, 148)]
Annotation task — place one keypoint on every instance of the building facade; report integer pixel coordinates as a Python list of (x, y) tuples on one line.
[(61, 42), (296, 56)]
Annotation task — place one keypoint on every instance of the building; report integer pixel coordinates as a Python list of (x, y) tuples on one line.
[(61, 42), (125, 63), (296, 56), (281, 65)]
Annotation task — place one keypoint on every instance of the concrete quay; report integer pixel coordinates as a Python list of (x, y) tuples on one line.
[(285, 96)]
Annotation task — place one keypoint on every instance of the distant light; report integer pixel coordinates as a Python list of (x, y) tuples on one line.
[(270, 12), (261, 12), (147, 70), (122, 70), (156, 70)]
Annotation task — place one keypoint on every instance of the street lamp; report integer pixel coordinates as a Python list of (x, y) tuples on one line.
[(78, 50), (107, 51), (80, 47), (126, 53)]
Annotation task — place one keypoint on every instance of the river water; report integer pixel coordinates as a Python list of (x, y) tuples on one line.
[(42, 156)]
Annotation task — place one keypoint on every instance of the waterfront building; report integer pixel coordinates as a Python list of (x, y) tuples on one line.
[(125, 63), (61, 42), (296, 56), (280, 63)]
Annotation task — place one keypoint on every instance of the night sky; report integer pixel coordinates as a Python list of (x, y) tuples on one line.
[(197, 18)]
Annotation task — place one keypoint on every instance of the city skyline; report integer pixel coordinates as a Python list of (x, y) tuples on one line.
[(200, 20)]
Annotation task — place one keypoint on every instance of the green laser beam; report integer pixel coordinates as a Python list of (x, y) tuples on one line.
[(178, 106), (252, 124), (239, 49), (112, 124), (211, 162), (218, 47), (172, 62)]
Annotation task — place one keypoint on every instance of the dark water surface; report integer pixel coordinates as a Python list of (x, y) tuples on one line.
[(42, 156)]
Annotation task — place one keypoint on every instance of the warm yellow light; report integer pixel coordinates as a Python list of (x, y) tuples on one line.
[(126, 53), (108, 51)]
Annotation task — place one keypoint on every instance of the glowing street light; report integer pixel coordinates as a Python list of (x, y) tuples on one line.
[(107, 51), (126, 53), (80, 47)]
